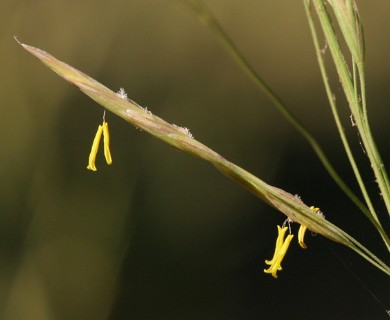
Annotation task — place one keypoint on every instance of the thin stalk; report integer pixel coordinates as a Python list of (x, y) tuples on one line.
[(370, 214), (361, 72), (206, 15), (354, 103), (365, 117), (355, 79)]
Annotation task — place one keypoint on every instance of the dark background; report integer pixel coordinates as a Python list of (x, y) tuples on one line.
[(160, 234)]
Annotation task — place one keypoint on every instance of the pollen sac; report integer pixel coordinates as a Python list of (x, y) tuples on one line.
[(94, 149), (302, 229), (301, 236), (281, 248), (102, 130), (106, 142)]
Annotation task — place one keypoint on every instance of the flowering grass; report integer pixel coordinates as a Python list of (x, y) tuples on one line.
[(323, 20), (181, 138)]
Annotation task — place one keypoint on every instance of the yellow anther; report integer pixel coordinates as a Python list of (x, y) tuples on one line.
[(94, 149), (102, 130), (282, 245), (278, 245), (280, 251), (302, 230), (301, 236), (106, 141)]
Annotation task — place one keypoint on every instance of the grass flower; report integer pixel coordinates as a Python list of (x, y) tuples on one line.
[(282, 243), (280, 199)]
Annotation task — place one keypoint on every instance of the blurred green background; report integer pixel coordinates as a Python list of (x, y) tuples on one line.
[(159, 234)]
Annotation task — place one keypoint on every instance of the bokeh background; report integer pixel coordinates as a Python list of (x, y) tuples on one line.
[(160, 234)]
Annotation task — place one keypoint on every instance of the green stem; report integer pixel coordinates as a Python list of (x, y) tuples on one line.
[(365, 118), (354, 103), (370, 214)]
